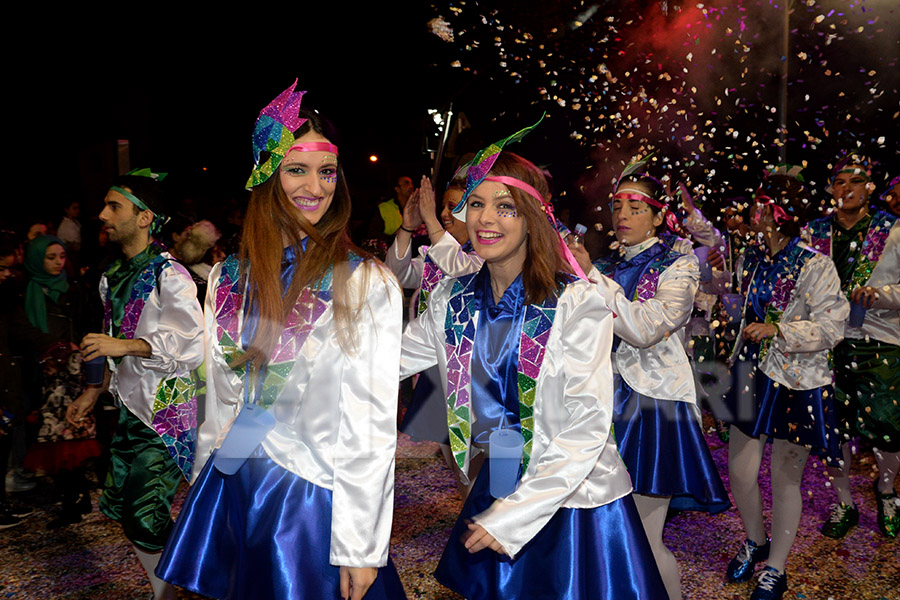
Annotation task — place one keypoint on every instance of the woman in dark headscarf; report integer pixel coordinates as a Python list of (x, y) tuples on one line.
[(54, 306)]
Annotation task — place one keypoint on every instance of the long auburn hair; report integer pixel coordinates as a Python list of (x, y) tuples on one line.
[(544, 267), (273, 223)]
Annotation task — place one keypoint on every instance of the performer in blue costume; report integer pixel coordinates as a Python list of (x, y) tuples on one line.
[(525, 345), (651, 289), (302, 363), (793, 316)]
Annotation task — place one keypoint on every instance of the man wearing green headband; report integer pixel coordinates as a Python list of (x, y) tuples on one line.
[(152, 340), (865, 247)]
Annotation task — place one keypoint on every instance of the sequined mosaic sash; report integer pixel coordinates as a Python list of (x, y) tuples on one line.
[(820, 232), (311, 304), (649, 279), (175, 404), (459, 329), (431, 276), (788, 271)]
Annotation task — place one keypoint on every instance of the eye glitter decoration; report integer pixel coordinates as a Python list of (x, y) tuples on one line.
[(507, 213), (329, 158), (328, 177)]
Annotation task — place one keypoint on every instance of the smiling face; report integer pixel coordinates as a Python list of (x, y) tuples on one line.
[(309, 179), (851, 190), (633, 219), (54, 259), (496, 229), (452, 225)]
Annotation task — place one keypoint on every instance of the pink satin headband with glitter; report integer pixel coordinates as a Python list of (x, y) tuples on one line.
[(639, 196), (548, 210), (518, 183), (314, 147)]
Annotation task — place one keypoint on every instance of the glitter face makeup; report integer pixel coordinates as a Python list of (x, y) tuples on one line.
[(633, 219), (309, 176), (495, 239)]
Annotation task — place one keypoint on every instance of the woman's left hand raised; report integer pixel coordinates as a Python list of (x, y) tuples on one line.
[(356, 581), (479, 539)]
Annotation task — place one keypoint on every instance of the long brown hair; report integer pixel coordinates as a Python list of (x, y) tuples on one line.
[(542, 272), (271, 224)]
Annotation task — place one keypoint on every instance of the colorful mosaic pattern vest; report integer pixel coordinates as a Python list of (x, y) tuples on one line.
[(311, 304), (459, 330), (789, 269), (175, 404), (819, 233), (431, 275)]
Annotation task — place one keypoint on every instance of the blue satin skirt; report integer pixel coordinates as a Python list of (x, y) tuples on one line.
[(581, 554), (663, 447), (803, 417), (262, 533), (426, 418)]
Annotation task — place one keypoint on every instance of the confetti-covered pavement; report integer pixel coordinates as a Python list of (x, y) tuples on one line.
[(93, 560)]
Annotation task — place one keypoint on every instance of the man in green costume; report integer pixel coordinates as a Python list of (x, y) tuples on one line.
[(153, 340), (865, 248)]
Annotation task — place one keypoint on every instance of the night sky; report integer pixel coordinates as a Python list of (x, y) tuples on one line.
[(185, 90)]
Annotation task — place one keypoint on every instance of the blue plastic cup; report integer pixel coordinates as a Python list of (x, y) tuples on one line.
[(702, 254), (857, 314), (505, 457), (94, 370)]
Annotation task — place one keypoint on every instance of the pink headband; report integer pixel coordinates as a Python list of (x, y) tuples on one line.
[(777, 212), (671, 219), (314, 147), (640, 196), (548, 210)]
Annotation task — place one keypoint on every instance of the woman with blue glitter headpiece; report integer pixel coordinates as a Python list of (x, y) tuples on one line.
[(293, 495)]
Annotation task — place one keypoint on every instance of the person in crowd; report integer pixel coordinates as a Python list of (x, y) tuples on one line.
[(391, 211), (891, 197), (651, 289), (56, 307), (153, 339), (524, 350), (191, 248), (302, 362), (865, 248), (69, 230), (17, 336), (793, 316)]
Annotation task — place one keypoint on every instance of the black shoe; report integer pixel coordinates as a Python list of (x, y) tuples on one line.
[(83, 506), (20, 510), (64, 520), (771, 585), (742, 566), (7, 519)]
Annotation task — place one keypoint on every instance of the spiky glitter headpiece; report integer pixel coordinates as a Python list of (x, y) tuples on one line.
[(274, 134)]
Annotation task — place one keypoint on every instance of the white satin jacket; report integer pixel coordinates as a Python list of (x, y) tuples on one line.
[(171, 322), (336, 417), (447, 254), (812, 324), (651, 357), (574, 461)]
